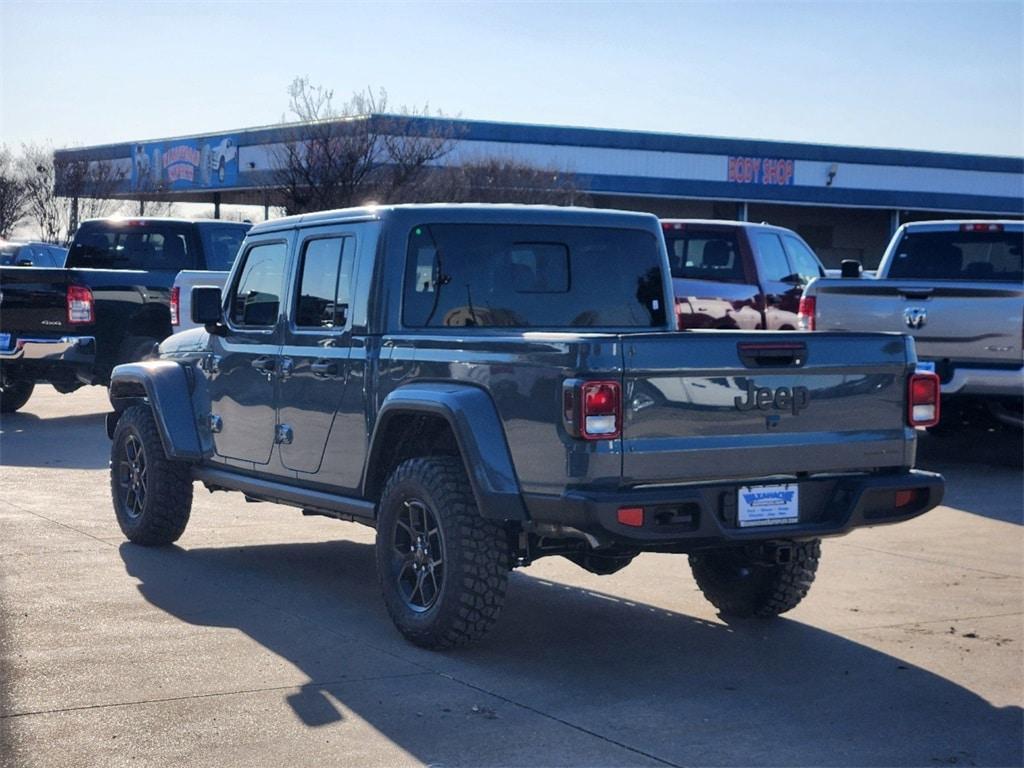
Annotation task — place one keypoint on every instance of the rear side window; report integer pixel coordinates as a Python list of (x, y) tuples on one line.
[(521, 276), (802, 259), (156, 246), (257, 296), (959, 255), (774, 265), (220, 244), (325, 283), (707, 255)]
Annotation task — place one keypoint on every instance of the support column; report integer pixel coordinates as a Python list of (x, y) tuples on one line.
[(74, 216), (742, 214), (142, 207), (216, 205), (894, 222)]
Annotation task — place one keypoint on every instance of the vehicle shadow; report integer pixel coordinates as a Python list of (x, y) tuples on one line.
[(66, 442), (683, 689), (982, 471)]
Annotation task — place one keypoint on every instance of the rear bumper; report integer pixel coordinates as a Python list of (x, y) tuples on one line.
[(40, 359), (695, 517), (980, 382)]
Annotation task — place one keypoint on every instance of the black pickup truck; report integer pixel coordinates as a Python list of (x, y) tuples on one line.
[(489, 385), (110, 304)]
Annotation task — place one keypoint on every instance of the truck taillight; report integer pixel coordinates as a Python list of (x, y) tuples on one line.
[(80, 305), (805, 319), (680, 322), (175, 305), (601, 410), (923, 396)]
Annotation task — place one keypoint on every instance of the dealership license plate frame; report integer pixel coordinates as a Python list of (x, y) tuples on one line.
[(762, 505)]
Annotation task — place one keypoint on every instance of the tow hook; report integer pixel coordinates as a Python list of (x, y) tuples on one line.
[(777, 553)]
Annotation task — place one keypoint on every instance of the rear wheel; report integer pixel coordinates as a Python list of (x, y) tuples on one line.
[(442, 567), (742, 584), (152, 494), (14, 394)]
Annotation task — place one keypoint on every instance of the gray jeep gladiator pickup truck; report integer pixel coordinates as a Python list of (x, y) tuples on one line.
[(488, 385)]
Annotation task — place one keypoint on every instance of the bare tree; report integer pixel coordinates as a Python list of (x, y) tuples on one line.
[(12, 193), (93, 183), (504, 180), (338, 156)]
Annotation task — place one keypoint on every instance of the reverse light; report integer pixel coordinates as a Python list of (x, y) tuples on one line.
[(601, 411), (906, 497), (175, 305), (79, 304), (923, 397), (805, 313)]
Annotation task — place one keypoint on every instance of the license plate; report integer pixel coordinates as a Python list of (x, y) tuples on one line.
[(925, 366), (5, 342), (768, 505)]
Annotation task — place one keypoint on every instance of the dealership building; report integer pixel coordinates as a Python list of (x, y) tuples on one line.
[(845, 201)]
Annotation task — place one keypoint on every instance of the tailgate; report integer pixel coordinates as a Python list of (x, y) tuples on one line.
[(33, 302), (702, 406), (962, 322)]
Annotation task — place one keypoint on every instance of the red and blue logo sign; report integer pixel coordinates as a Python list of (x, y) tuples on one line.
[(767, 171)]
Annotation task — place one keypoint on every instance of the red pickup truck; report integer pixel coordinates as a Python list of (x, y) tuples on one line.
[(734, 274)]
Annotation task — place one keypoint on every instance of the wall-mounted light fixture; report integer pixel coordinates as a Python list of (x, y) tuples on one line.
[(831, 174)]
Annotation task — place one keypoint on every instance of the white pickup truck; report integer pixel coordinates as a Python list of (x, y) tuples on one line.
[(957, 287), (181, 295)]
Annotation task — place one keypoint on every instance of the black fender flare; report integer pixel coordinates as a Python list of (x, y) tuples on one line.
[(473, 419), (165, 386)]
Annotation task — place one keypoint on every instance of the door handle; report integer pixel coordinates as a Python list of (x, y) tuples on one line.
[(264, 365), (324, 368)]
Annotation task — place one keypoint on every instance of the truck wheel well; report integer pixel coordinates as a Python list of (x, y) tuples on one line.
[(124, 394), (408, 436)]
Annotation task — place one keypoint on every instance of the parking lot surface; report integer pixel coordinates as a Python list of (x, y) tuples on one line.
[(261, 638)]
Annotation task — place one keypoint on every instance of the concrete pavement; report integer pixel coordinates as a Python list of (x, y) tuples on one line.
[(261, 639)]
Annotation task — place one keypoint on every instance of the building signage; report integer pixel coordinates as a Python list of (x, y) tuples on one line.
[(205, 163), (768, 171)]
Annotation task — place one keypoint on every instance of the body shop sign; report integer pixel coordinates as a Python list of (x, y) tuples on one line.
[(769, 171)]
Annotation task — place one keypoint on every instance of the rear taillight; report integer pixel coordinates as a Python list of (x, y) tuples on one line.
[(80, 305), (600, 410), (981, 227), (680, 322), (175, 306), (805, 319), (923, 397)]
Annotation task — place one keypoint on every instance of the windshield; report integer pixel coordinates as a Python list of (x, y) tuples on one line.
[(959, 255), (132, 244), (221, 243), (523, 276)]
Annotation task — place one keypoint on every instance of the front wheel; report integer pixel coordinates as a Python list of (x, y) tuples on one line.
[(152, 494), (442, 567), (14, 395), (741, 584)]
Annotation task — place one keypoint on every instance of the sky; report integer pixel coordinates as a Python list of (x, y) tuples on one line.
[(933, 76)]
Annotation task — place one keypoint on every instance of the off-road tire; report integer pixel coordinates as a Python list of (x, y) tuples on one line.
[(739, 586), (475, 555), (14, 395), (135, 349), (162, 513)]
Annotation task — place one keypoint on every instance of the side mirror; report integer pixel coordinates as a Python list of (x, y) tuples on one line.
[(850, 268), (24, 262), (206, 309)]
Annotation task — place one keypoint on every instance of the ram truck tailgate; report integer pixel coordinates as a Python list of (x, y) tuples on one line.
[(710, 406), (33, 301)]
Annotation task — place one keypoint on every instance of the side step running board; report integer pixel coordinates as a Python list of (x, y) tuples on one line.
[(318, 502)]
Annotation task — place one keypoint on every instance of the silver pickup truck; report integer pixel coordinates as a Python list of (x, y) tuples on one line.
[(956, 287)]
